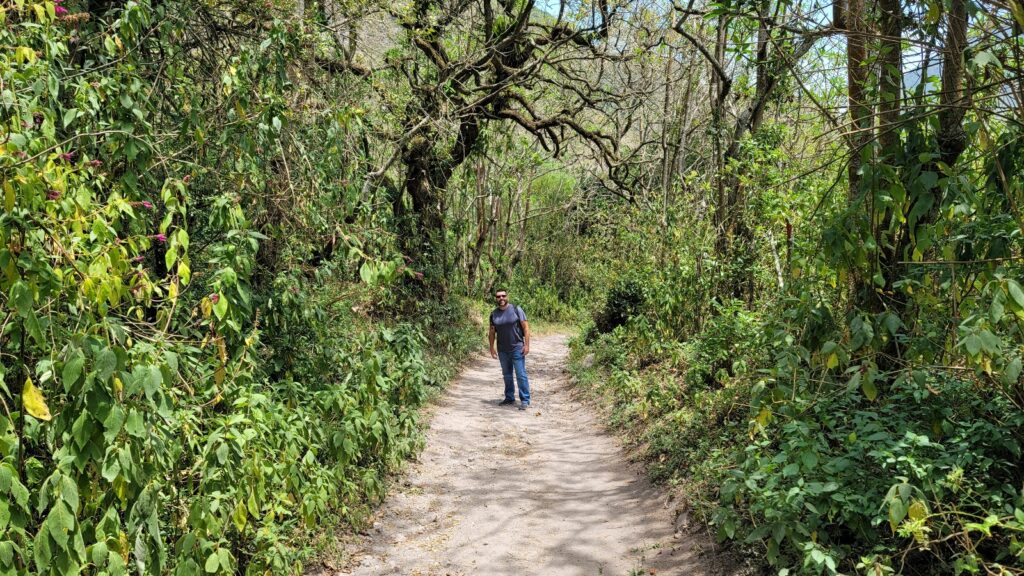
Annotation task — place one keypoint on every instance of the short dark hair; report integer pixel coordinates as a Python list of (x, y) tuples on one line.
[(496, 290)]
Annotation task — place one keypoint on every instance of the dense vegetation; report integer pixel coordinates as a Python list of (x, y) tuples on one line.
[(237, 241), (206, 351)]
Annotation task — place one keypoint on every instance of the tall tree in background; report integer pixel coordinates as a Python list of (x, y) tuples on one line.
[(474, 64)]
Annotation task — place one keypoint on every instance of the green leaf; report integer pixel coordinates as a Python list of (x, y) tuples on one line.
[(72, 370), (6, 553), (989, 342), (928, 180), (225, 558), (1015, 292), (212, 562), (240, 516), (21, 297), (106, 363), (984, 58), (69, 116), (220, 308), (99, 554), (34, 330), (41, 551), (152, 380), (134, 425), (60, 522), (113, 422), (20, 493), (897, 512), (170, 257), (997, 310), (972, 344), (1012, 372)]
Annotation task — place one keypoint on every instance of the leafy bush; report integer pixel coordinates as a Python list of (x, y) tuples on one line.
[(624, 300), (189, 381), (834, 477)]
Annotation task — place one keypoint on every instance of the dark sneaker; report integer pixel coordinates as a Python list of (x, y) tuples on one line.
[(506, 402), (524, 405)]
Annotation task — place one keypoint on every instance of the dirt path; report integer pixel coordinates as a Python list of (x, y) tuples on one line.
[(498, 491)]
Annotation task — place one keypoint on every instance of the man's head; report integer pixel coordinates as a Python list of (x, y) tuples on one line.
[(501, 297)]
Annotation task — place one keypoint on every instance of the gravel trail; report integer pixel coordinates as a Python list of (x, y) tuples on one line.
[(498, 491)]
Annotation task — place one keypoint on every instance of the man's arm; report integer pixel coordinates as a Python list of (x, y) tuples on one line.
[(490, 338), (526, 337)]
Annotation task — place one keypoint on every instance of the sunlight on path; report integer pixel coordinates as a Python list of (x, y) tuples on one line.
[(499, 491)]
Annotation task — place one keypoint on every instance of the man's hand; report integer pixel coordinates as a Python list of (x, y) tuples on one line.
[(493, 353), (526, 348)]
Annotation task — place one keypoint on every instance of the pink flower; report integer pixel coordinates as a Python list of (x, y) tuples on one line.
[(53, 194), (67, 156), (214, 298), (95, 163), (161, 238), (147, 204), (60, 10), (139, 258), (418, 275), (186, 178)]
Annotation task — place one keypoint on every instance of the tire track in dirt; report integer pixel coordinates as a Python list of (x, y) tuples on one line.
[(498, 491)]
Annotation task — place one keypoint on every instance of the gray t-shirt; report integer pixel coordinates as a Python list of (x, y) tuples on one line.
[(507, 327)]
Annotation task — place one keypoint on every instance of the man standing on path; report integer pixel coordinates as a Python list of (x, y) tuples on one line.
[(508, 324)]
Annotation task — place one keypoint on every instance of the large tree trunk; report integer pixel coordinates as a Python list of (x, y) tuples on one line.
[(857, 82), (954, 97), (890, 76)]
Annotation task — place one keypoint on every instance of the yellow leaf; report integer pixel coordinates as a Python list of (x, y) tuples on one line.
[(832, 361), (185, 273), (218, 374), (8, 196), (917, 511), (206, 306), (869, 389), (33, 401), (764, 417)]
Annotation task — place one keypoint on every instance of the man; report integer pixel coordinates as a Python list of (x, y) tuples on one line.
[(508, 324)]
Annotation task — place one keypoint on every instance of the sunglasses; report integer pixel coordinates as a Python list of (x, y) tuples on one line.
[(501, 296)]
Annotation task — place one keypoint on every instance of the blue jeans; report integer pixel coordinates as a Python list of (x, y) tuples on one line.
[(515, 359)]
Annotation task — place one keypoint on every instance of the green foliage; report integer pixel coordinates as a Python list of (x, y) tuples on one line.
[(622, 303), (183, 391), (859, 409)]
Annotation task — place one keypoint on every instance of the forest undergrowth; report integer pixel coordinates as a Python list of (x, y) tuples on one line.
[(208, 356)]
